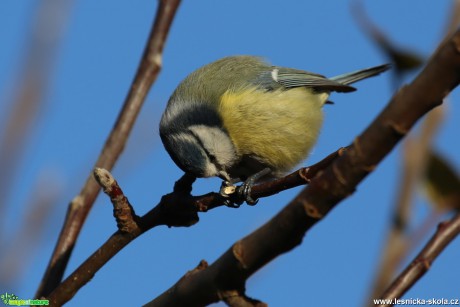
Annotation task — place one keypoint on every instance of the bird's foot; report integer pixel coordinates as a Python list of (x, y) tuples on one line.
[(243, 192)]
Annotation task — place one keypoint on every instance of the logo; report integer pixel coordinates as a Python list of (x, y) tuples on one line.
[(12, 300)]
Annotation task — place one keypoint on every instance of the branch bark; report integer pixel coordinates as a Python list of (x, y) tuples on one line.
[(80, 206), (446, 233), (286, 230)]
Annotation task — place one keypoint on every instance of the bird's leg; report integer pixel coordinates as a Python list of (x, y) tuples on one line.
[(244, 191)]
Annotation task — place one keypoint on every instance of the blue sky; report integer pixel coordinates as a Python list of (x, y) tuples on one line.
[(91, 74)]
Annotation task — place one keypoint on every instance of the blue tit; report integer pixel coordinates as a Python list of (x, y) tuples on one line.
[(242, 119)]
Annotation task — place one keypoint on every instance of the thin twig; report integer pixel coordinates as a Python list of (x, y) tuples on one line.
[(446, 233), (79, 208), (122, 210), (403, 60), (286, 230)]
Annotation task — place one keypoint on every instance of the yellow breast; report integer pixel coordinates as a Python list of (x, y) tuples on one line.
[(278, 127)]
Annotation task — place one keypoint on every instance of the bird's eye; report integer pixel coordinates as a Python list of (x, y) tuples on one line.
[(212, 158)]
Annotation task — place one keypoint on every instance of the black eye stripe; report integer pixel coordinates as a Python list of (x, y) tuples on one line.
[(211, 157)]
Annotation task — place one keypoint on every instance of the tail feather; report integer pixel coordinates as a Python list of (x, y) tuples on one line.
[(355, 76)]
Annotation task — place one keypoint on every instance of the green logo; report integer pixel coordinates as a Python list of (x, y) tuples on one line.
[(12, 300)]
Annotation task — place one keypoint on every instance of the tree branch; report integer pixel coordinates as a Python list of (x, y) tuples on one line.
[(286, 230), (446, 232), (80, 206), (178, 208)]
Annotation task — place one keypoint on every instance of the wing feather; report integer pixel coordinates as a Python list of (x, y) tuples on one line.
[(290, 78)]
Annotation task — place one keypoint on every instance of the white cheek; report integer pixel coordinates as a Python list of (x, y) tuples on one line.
[(216, 143)]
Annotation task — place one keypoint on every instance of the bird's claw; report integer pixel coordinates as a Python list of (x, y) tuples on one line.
[(244, 193), (231, 204)]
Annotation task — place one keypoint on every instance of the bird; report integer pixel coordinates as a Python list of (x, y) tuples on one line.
[(244, 120)]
